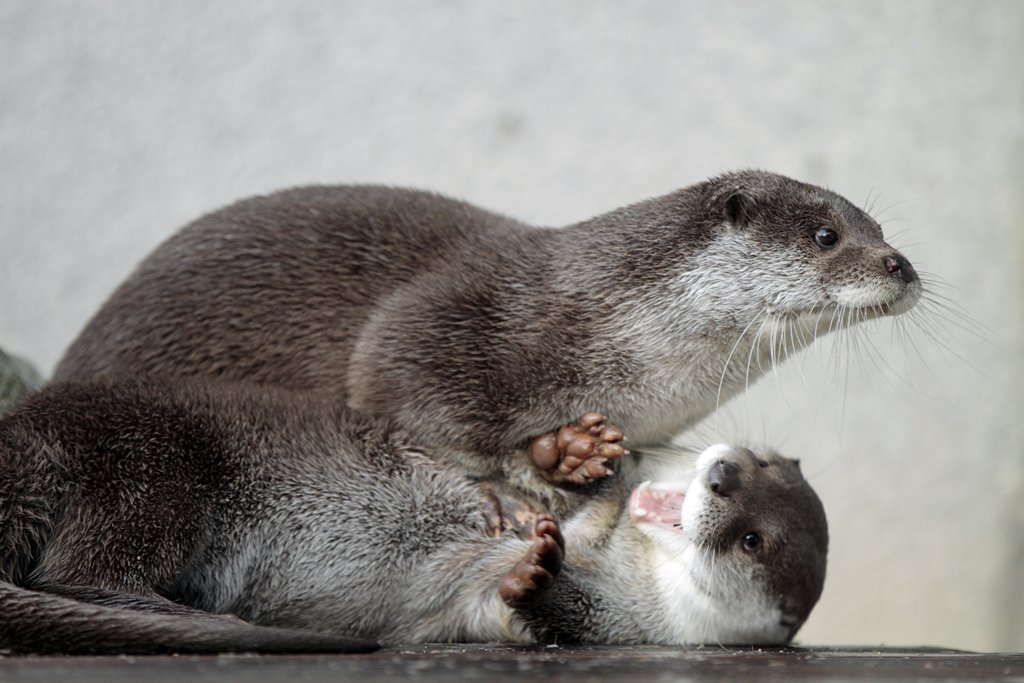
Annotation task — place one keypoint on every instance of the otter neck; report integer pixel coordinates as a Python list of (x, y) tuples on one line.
[(689, 342), (674, 605)]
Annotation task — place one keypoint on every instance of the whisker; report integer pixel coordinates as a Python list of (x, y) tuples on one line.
[(869, 203), (725, 369), (890, 207), (959, 320)]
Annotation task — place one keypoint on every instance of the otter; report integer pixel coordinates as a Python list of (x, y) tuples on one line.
[(732, 552), (138, 516), (474, 331)]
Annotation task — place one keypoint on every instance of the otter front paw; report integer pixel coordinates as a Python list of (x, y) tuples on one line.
[(538, 569), (577, 453), (506, 510)]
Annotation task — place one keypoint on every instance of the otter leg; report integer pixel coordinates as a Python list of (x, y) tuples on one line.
[(538, 569), (578, 453)]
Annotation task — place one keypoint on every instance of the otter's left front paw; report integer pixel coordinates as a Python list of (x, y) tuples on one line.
[(578, 452), (538, 569), (507, 510)]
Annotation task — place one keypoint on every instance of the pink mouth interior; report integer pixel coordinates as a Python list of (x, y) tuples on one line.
[(657, 503)]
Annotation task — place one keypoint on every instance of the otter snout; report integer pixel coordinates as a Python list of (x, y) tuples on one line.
[(723, 474), (724, 478), (899, 267)]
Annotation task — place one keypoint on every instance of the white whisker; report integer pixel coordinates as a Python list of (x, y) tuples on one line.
[(728, 359)]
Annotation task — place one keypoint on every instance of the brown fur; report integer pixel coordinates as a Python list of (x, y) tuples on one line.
[(474, 331)]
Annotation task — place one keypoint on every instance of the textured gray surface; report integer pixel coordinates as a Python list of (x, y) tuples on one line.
[(123, 119), (453, 663)]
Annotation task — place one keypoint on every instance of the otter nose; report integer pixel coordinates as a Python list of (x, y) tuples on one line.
[(897, 266), (724, 478)]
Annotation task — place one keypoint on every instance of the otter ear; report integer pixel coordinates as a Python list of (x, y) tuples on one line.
[(740, 209)]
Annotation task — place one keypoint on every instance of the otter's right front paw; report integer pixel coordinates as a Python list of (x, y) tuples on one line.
[(577, 453), (538, 569)]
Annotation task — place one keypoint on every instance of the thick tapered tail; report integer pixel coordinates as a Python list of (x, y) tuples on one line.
[(33, 622)]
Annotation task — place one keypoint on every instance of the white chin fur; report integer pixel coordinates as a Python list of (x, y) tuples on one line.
[(891, 299)]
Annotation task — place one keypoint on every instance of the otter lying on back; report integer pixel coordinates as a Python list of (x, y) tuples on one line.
[(475, 332), (130, 513)]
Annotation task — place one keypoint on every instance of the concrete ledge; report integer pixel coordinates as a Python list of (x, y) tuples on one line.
[(502, 663)]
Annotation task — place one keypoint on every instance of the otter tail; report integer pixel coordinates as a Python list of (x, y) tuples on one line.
[(38, 623)]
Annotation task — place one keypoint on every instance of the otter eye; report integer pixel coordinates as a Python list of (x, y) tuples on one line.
[(751, 541), (826, 238)]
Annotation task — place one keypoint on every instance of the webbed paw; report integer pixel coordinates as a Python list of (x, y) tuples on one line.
[(578, 452), (538, 569)]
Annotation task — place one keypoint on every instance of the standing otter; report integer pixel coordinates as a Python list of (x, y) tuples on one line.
[(474, 331), (131, 513)]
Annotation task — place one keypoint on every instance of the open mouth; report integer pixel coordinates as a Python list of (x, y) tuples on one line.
[(659, 504)]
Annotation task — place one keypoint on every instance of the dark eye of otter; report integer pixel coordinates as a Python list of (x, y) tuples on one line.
[(751, 541), (826, 238)]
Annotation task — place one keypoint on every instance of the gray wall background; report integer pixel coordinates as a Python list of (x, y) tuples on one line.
[(120, 120)]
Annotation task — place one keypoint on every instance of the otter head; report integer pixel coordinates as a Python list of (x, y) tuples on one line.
[(743, 270), (744, 543), (807, 253)]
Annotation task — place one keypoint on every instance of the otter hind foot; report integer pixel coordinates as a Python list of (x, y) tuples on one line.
[(538, 569), (579, 452)]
